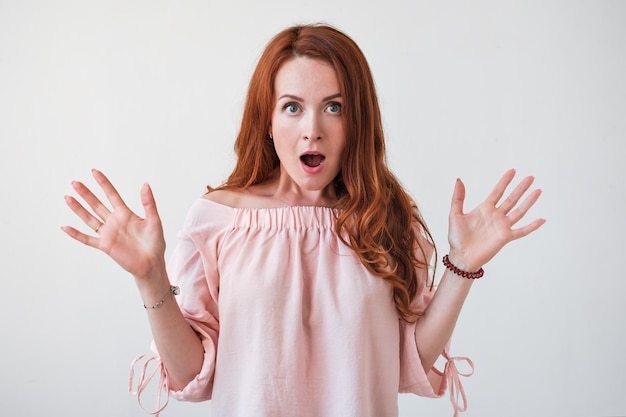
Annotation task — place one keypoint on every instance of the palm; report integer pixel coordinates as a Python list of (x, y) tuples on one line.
[(135, 243), (477, 236)]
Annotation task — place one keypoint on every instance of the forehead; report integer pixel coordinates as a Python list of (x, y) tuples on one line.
[(306, 76)]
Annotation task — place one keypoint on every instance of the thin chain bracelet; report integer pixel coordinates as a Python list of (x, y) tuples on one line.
[(174, 290), (464, 274)]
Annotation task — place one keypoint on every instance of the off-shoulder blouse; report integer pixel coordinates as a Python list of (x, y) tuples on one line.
[(291, 321)]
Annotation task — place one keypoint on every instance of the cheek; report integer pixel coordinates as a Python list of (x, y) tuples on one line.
[(283, 148), (342, 144), (343, 153), (283, 130)]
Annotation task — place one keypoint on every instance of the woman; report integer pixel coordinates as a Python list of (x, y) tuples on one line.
[(303, 280)]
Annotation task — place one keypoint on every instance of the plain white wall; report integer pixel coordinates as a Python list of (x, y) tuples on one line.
[(152, 91)]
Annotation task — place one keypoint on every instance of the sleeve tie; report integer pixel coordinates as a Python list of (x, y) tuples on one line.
[(452, 376), (151, 366)]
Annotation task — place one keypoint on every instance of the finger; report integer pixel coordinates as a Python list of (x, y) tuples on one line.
[(88, 218), (498, 191), (90, 198), (109, 190), (522, 209), (528, 229), (510, 202), (148, 202), (80, 236), (458, 198)]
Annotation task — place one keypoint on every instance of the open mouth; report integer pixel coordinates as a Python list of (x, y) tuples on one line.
[(312, 159)]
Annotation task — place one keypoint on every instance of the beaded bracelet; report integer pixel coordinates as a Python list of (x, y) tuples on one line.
[(464, 274), (174, 290)]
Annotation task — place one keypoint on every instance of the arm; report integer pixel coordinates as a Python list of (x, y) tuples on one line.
[(474, 238), (137, 245), (179, 346)]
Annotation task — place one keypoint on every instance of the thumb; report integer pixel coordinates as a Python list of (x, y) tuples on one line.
[(148, 202), (458, 198)]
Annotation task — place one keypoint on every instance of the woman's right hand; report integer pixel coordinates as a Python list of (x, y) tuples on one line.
[(136, 244)]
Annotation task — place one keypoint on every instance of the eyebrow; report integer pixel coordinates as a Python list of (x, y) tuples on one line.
[(301, 99)]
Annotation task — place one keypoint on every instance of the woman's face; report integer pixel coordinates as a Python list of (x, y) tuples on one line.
[(307, 124)]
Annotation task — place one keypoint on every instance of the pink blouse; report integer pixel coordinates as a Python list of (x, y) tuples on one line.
[(291, 321)]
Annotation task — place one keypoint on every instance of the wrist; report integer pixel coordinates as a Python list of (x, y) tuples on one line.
[(463, 261), (470, 274), (171, 292), (153, 284), (154, 270)]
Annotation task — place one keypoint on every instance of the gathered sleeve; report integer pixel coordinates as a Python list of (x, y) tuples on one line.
[(413, 377), (192, 266), (434, 383)]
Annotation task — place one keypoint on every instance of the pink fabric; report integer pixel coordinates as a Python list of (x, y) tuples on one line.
[(145, 377), (291, 321)]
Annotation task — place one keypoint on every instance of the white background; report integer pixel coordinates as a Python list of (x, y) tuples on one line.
[(153, 90)]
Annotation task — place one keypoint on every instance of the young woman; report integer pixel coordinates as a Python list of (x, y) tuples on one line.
[(302, 282)]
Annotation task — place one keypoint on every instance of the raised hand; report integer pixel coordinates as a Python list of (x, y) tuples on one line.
[(477, 236), (136, 244)]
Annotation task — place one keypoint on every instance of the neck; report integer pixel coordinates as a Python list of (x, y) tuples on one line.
[(287, 191)]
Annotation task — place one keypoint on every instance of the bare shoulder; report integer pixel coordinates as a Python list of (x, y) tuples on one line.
[(231, 198), (257, 196)]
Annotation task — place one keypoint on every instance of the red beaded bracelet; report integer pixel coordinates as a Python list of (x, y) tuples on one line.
[(464, 274)]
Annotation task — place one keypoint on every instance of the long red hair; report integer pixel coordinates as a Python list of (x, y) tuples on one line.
[(376, 217)]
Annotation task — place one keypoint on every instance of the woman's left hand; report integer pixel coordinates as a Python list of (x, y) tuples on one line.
[(477, 236)]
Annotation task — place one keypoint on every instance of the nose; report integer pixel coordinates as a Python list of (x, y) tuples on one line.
[(312, 127)]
